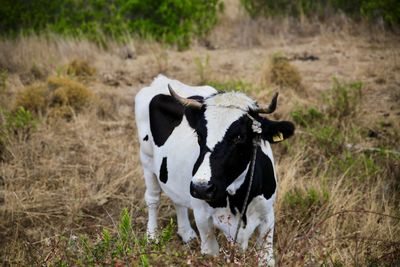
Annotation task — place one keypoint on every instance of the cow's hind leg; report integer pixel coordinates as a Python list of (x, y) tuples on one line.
[(151, 196), (185, 230), (265, 241)]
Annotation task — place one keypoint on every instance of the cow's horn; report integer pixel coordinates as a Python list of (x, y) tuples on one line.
[(272, 106), (184, 101)]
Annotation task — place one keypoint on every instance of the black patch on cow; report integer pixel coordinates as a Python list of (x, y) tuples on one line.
[(164, 171), (165, 115), (264, 183), (146, 138)]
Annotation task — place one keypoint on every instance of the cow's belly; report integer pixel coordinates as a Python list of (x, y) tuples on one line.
[(181, 152)]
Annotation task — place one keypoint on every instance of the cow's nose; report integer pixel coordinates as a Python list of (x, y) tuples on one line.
[(203, 191)]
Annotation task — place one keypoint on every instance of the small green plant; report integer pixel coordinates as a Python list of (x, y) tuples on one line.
[(344, 98), (21, 122), (124, 247), (305, 201), (308, 117), (202, 68)]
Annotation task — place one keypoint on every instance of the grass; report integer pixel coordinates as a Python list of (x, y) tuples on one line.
[(73, 188)]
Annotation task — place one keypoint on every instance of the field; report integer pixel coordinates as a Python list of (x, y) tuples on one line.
[(71, 186)]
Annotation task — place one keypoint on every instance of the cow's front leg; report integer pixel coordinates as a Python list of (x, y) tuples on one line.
[(185, 230), (151, 196), (265, 241), (204, 222)]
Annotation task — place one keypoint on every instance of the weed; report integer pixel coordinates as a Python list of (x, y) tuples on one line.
[(123, 247), (307, 118), (202, 68), (19, 123), (328, 138), (344, 98), (360, 166), (305, 201), (280, 72)]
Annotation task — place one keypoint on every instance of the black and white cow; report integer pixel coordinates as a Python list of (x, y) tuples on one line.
[(196, 146)]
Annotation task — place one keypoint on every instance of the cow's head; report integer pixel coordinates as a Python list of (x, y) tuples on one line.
[(224, 129)]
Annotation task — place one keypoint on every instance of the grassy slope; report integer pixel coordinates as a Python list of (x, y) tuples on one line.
[(338, 197)]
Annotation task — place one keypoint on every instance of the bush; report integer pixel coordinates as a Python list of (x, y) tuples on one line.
[(282, 73), (61, 97), (33, 98), (67, 92), (172, 21), (388, 10)]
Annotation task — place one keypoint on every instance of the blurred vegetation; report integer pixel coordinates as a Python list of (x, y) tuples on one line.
[(281, 72), (171, 21), (388, 10)]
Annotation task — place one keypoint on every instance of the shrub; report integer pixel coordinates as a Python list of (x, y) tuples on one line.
[(33, 98), (388, 10), (172, 21), (67, 92), (59, 98), (282, 73)]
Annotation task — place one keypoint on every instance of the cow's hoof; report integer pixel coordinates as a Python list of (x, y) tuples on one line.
[(267, 262), (188, 235), (152, 237), (211, 249)]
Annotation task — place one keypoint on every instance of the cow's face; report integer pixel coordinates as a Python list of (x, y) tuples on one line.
[(225, 135)]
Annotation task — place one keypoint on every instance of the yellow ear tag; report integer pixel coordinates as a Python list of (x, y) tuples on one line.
[(278, 137)]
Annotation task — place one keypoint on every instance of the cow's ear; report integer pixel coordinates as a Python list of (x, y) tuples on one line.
[(276, 131)]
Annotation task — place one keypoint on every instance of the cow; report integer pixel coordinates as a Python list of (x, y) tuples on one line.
[(197, 146)]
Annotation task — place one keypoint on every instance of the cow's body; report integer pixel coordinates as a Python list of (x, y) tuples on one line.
[(175, 159)]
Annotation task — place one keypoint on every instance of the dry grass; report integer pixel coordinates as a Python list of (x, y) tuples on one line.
[(338, 194), (280, 72)]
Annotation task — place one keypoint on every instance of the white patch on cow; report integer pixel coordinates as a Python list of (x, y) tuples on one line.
[(203, 173), (221, 113), (235, 185)]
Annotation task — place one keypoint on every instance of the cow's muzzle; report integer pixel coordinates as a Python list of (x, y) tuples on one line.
[(204, 191)]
